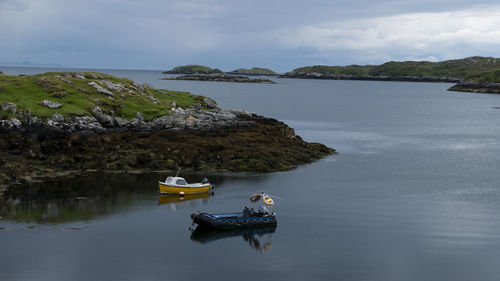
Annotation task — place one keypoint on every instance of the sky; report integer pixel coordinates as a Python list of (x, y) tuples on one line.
[(229, 34)]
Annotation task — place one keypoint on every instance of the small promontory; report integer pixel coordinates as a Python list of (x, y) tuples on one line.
[(220, 78), (193, 69), (482, 83), (254, 71), (57, 123)]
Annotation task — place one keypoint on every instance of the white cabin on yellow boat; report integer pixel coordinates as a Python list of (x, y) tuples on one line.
[(178, 185)]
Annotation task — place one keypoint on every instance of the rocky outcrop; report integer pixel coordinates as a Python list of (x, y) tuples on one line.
[(9, 107), (51, 104), (477, 87), (229, 140), (220, 78), (101, 89)]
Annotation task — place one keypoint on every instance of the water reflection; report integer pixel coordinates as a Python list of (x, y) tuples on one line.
[(258, 238), (101, 194), (189, 200)]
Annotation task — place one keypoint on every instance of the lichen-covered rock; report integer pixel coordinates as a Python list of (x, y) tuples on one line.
[(51, 104), (57, 117), (8, 106), (10, 123), (43, 82), (101, 89), (87, 123), (210, 104), (105, 120), (121, 122), (112, 86)]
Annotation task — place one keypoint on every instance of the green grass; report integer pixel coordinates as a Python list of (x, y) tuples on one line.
[(460, 68), (489, 77), (78, 98)]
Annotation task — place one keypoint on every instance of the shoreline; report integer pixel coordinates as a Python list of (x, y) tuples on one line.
[(253, 144)]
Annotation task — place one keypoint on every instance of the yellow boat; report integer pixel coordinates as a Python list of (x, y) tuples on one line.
[(179, 186)]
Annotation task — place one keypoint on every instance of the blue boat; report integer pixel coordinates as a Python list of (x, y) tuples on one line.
[(262, 216)]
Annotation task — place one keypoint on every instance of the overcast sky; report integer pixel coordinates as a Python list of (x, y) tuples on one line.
[(228, 34)]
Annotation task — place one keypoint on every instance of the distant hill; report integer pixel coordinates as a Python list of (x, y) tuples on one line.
[(193, 69), (445, 71), (253, 71)]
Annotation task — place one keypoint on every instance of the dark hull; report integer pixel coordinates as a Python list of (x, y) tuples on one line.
[(232, 221)]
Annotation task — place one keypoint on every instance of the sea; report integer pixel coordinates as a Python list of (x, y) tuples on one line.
[(413, 194)]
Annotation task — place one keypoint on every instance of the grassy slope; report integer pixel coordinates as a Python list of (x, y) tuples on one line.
[(194, 69), (460, 68), (489, 77), (79, 97)]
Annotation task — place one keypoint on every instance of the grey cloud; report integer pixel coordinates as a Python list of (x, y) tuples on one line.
[(223, 33)]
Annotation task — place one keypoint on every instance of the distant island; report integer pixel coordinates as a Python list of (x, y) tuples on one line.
[(220, 78), (253, 71), (481, 83), (66, 123), (193, 69), (474, 74), (445, 71)]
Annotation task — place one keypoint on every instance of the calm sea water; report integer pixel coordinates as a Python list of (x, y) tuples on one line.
[(412, 195)]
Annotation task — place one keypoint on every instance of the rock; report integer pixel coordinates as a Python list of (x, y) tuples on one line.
[(57, 117), (34, 150), (101, 89), (104, 119), (121, 122), (93, 76), (140, 116), (112, 86), (10, 123), (34, 121), (80, 76), (87, 123), (210, 104), (43, 82), (51, 104), (152, 98), (242, 113), (196, 106), (8, 106), (65, 80)]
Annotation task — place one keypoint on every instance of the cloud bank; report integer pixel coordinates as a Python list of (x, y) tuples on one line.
[(227, 34)]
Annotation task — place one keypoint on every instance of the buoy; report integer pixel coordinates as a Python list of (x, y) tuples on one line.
[(181, 193)]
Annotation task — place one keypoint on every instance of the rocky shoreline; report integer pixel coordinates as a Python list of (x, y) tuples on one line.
[(194, 139), (313, 75), (477, 87), (220, 78)]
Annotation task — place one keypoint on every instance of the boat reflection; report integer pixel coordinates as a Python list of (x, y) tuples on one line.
[(258, 238), (176, 201)]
